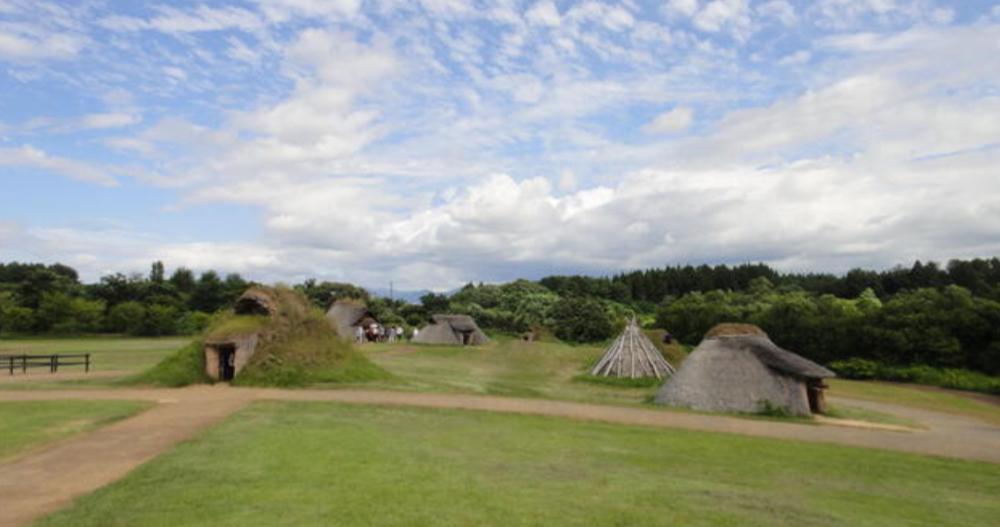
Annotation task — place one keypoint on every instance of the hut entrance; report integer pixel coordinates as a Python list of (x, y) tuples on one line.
[(817, 399), (227, 362), (466, 338)]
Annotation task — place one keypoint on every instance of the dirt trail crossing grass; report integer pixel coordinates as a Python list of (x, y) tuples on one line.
[(41, 482), (38, 484)]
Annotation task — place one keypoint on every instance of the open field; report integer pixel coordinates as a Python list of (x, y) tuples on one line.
[(107, 353), (505, 367), (922, 397), (28, 424), (318, 463)]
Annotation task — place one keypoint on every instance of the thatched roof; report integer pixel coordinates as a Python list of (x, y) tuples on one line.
[(738, 372), (782, 360), (732, 329), (345, 316), (452, 329), (632, 355), (257, 301)]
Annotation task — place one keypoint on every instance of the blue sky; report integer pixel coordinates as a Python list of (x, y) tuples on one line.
[(436, 142)]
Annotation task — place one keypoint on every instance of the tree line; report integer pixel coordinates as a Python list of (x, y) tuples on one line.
[(947, 317), (50, 299)]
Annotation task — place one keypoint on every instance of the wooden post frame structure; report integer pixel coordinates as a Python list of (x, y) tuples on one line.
[(633, 356)]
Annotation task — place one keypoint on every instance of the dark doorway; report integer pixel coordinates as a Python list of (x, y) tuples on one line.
[(466, 337), (817, 398), (227, 362)]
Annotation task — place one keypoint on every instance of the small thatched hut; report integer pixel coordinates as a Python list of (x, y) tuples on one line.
[(347, 317), (633, 356), (458, 330), (737, 368), (228, 353)]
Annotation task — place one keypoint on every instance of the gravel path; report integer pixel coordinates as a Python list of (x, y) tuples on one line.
[(43, 481)]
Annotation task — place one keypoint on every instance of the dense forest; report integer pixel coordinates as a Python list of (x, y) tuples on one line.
[(865, 322)]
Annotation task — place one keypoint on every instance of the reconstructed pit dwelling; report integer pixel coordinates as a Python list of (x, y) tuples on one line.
[(633, 356), (225, 357), (736, 368), (454, 330), (348, 317)]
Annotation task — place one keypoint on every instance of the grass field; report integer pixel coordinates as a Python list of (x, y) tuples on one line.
[(506, 367), (325, 464), (927, 398), (107, 353), (28, 424)]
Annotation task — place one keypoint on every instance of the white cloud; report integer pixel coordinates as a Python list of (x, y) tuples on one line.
[(719, 14), (20, 46), (799, 57), (435, 144), (543, 13), (283, 10), (108, 120), (28, 156), (780, 10), (178, 21), (673, 121), (682, 7)]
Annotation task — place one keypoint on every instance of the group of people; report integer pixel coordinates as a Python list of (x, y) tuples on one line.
[(378, 333)]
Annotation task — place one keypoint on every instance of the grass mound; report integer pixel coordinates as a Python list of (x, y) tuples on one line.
[(186, 366), (296, 346)]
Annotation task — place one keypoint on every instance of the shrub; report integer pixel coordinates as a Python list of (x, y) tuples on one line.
[(580, 319), (954, 378), (855, 368)]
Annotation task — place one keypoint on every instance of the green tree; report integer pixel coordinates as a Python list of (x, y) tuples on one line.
[(183, 281), (127, 317), (156, 272), (581, 319), (209, 294), (435, 303)]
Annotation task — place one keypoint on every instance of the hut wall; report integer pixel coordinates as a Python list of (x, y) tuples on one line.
[(438, 334), (717, 378), (244, 348)]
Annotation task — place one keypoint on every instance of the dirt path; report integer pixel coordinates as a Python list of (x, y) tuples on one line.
[(41, 482)]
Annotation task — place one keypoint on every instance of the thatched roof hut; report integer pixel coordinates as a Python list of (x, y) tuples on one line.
[(347, 316), (737, 368), (633, 356), (458, 330), (228, 349)]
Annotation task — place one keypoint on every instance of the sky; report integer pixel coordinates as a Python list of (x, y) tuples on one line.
[(435, 142)]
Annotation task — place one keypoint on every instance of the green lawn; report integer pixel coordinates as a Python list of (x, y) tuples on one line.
[(927, 398), (28, 424), (327, 464), (507, 367), (107, 353), (125, 354)]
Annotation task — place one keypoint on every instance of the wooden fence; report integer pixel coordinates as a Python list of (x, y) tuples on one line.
[(23, 362)]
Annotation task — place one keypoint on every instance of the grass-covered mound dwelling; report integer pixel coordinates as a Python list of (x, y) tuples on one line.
[(271, 337)]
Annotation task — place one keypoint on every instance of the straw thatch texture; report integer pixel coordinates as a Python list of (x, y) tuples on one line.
[(346, 316), (633, 356), (740, 373), (257, 301), (457, 330)]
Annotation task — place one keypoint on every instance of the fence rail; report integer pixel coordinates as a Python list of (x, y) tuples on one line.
[(23, 362)]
